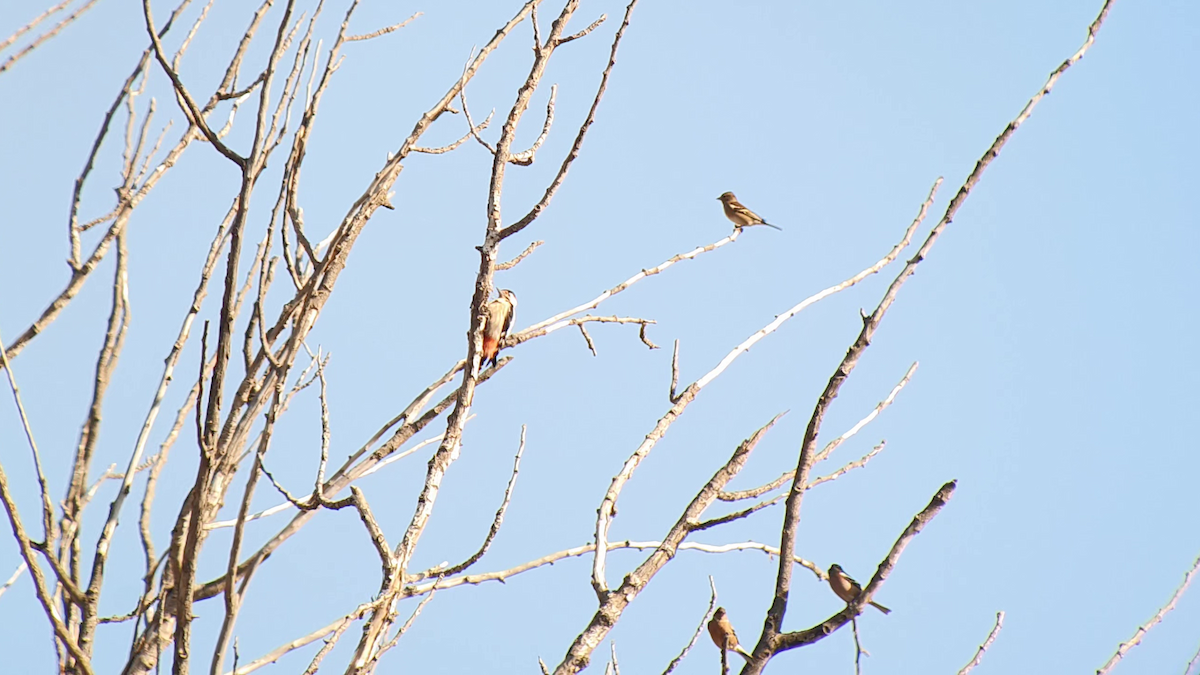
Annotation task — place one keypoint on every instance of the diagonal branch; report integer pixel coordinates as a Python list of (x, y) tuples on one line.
[(383, 31), (195, 117), (1140, 633), (498, 520), (10, 61), (984, 647), (712, 604), (829, 448), (525, 157), (683, 399), (552, 42), (614, 603), (785, 641), (774, 621), (578, 551)]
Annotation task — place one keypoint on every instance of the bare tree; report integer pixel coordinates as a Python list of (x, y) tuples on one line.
[(235, 404)]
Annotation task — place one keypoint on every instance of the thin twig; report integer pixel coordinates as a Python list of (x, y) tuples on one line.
[(588, 338), (383, 31), (499, 519), (500, 267), (48, 531), (578, 551), (984, 647), (29, 26), (613, 603), (858, 650), (13, 579), (672, 396), (737, 515), (1192, 664), (829, 448), (1140, 633), (8, 63), (525, 157), (712, 605)]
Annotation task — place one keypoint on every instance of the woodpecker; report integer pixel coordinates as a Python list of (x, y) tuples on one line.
[(722, 633), (497, 319), (740, 215), (847, 588)]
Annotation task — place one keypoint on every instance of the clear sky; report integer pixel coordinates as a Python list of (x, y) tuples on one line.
[(1054, 322)]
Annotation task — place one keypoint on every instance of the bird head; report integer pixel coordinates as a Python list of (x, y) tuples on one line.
[(719, 614), (836, 570), (509, 296), (727, 197)]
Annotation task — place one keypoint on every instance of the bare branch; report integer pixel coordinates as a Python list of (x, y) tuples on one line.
[(984, 647), (525, 157), (772, 625), (48, 531), (384, 31), (13, 579), (591, 27), (613, 603), (588, 338), (829, 448), (578, 551), (712, 604), (29, 26), (556, 321), (81, 270), (1192, 664), (833, 445), (1140, 633), (39, 582), (551, 42), (195, 117), (672, 396), (233, 598), (473, 132), (607, 507), (403, 629), (858, 650), (10, 61), (736, 515), (856, 464), (336, 627), (500, 267), (785, 641), (499, 519)]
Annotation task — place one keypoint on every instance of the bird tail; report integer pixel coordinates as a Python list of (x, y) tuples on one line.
[(742, 650), (774, 226), (491, 347), (880, 607)]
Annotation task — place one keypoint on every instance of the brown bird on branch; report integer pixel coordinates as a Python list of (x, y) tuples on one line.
[(497, 319), (846, 588), (740, 215), (722, 633)]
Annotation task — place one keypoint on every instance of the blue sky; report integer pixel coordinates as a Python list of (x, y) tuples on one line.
[(1054, 322)]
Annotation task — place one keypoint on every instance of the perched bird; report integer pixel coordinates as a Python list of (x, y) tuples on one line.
[(740, 215), (497, 319), (722, 633), (846, 588)]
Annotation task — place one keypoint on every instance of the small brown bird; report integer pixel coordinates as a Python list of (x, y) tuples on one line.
[(722, 633), (846, 588), (740, 215), (497, 319)]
